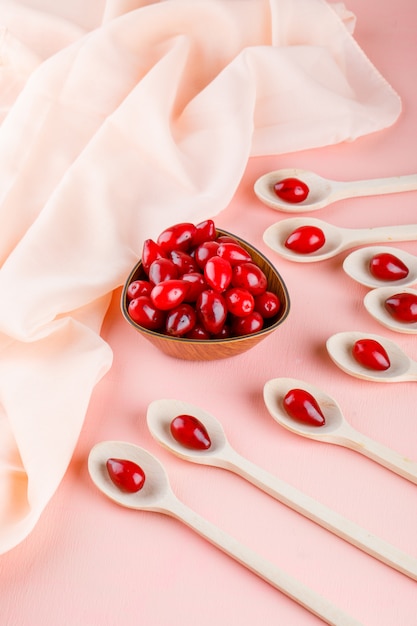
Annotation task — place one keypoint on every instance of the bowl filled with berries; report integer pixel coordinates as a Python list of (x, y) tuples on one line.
[(201, 293)]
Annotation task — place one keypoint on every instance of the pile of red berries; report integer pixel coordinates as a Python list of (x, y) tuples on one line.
[(200, 285)]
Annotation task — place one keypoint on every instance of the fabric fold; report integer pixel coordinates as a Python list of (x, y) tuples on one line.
[(147, 120)]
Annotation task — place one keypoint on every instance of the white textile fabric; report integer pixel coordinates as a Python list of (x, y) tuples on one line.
[(113, 130)]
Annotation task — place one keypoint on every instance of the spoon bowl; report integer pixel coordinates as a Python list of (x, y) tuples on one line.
[(337, 239), (374, 304), (356, 265), (323, 191), (402, 368), (336, 429), (274, 393), (159, 417), (156, 484)]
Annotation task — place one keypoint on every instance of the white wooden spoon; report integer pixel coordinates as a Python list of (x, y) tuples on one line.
[(323, 191), (336, 429), (157, 496), (221, 454), (336, 239), (374, 304), (356, 265), (401, 369)]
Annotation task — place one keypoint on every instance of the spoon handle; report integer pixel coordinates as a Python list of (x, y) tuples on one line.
[(379, 453), (266, 570), (381, 234), (376, 186), (322, 515)]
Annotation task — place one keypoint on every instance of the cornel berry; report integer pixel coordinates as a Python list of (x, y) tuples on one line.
[(303, 407), (126, 475), (402, 307), (305, 239), (291, 190), (387, 266), (370, 354), (190, 432), (198, 285)]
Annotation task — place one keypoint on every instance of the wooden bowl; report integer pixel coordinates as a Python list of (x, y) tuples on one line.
[(211, 349)]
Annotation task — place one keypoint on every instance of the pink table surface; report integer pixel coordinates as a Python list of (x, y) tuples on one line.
[(89, 562)]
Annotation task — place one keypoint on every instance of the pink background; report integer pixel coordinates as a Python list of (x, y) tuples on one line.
[(91, 562)]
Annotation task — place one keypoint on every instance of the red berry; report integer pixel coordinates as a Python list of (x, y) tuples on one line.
[(162, 269), (196, 284), (239, 301), (249, 276), (204, 252), (291, 190), (248, 325), (224, 333), (303, 407), (371, 354), (198, 332), (169, 293), (218, 273), (139, 288), (267, 304), (183, 262), (204, 231), (190, 432), (386, 266), (226, 239), (143, 311), (126, 475), (305, 239), (402, 307), (234, 253), (211, 310), (150, 252), (177, 237), (180, 320)]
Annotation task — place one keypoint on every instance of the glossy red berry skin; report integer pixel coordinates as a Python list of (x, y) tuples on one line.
[(247, 325), (139, 288), (303, 407), (204, 252), (371, 354), (402, 307), (234, 253), (211, 310), (204, 231), (190, 432), (177, 237), (162, 269), (218, 273), (169, 293), (239, 301), (196, 284), (305, 239), (198, 332), (267, 304), (143, 311), (126, 475), (180, 320), (249, 276), (291, 190), (183, 262), (386, 266), (150, 252)]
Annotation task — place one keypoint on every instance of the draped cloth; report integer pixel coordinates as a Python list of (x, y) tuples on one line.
[(110, 133)]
